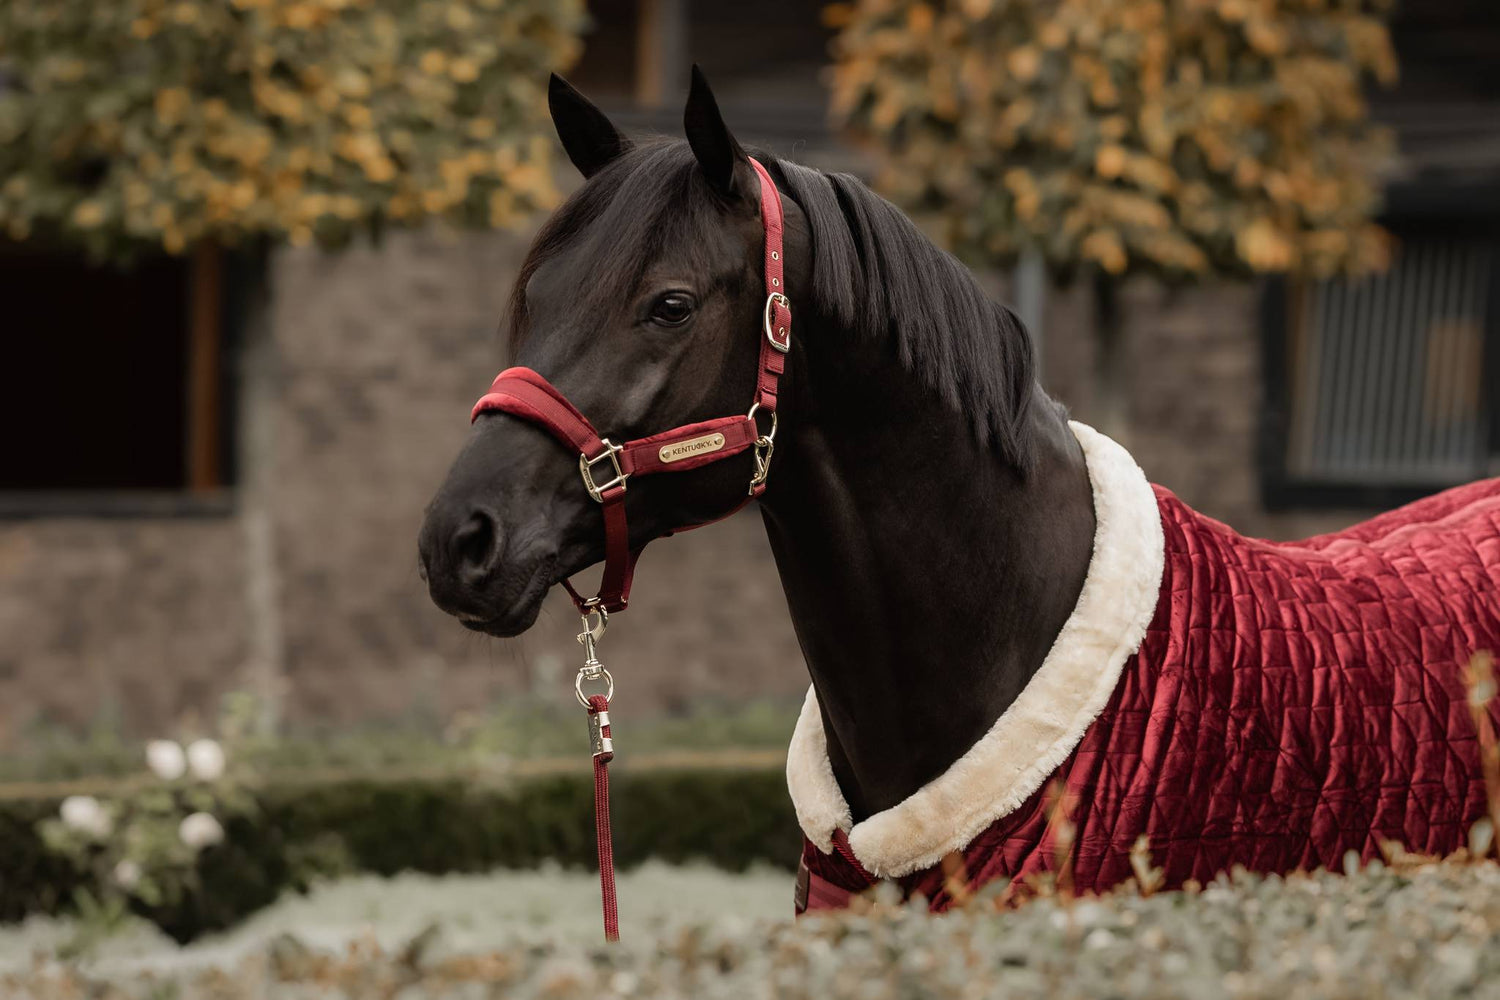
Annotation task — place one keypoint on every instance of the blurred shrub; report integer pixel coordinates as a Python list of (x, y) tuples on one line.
[(300, 830), (1395, 934), (1167, 136), (532, 727), (519, 728), (165, 122), (137, 844)]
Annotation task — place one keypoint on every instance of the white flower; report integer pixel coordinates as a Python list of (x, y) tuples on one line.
[(127, 874), (166, 759), (200, 830), (205, 759), (84, 813)]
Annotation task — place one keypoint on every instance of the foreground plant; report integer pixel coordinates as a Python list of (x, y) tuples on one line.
[(142, 848), (1429, 931), (1480, 678)]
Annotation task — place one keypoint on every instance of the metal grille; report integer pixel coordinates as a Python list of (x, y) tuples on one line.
[(1387, 372)]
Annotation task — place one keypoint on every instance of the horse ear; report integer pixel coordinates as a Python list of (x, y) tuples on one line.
[(716, 149), (589, 138)]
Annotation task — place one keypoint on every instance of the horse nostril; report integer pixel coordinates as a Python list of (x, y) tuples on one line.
[(475, 546)]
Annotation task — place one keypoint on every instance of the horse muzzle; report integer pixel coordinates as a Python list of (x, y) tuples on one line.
[(490, 579)]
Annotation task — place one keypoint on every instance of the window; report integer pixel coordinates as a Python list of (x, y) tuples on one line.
[(113, 395), (1381, 388), (765, 61)]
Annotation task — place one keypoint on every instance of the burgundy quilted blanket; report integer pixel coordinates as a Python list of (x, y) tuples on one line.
[(1287, 703)]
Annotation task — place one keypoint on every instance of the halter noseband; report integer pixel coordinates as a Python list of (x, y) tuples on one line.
[(523, 393)]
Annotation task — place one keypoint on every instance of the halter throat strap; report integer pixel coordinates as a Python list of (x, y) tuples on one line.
[(606, 468)]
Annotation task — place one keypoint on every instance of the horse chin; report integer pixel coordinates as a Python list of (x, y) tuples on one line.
[(521, 613), (507, 625)]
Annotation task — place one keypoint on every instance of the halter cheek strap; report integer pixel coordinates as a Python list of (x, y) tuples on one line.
[(606, 467)]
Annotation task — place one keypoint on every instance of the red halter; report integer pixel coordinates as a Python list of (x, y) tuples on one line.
[(523, 393)]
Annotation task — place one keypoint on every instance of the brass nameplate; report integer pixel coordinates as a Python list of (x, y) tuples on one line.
[(670, 453)]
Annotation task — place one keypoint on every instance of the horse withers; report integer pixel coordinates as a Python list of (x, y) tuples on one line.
[(999, 613)]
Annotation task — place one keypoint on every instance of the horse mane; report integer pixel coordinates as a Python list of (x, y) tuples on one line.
[(874, 275)]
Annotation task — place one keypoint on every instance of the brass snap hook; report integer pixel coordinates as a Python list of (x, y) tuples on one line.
[(765, 447), (595, 621)]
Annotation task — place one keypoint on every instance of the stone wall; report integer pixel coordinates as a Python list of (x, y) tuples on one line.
[(381, 354), (104, 620), (1190, 369), (370, 362), (357, 392)]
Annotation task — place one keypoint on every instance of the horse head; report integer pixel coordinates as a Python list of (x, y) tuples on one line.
[(641, 300)]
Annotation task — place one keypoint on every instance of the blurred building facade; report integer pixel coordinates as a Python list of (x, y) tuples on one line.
[(215, 473)]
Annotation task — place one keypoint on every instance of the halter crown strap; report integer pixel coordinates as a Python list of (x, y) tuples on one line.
[(607, 467)]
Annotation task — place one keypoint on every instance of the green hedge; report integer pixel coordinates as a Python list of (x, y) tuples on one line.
[(727, 817)]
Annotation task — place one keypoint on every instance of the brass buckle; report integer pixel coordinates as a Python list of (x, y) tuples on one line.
[(785, 343), (586, 467), (765, 447)]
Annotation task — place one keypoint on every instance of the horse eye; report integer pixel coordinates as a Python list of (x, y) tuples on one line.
[(672, 309)]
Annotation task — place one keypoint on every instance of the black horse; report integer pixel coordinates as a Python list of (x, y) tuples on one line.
[(910, 405), (985, 594)]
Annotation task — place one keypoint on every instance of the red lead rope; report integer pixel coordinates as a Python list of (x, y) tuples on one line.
[(604, 753)]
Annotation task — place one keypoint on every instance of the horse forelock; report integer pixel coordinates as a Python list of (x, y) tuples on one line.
[(621, 220)]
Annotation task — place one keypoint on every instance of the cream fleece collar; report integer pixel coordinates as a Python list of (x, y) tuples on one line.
[(1048, 719)]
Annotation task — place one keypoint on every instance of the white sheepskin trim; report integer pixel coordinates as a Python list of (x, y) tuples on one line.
[(1045, 723), (816, 796)]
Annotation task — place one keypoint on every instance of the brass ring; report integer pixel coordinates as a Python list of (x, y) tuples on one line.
[(609, 686), (754, 409)]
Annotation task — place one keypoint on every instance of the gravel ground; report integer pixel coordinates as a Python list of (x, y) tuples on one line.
[(1431, 931)]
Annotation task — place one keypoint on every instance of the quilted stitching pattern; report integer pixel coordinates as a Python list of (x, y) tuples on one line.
[(1290, 702)]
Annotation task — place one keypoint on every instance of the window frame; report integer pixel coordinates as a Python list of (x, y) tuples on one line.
[(1412, 210), (220, 289)]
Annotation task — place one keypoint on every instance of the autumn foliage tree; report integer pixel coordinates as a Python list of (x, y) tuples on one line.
[(1176, 137), (165, 123)]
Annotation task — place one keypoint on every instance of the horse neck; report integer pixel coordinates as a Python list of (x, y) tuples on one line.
[(926, 578)]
